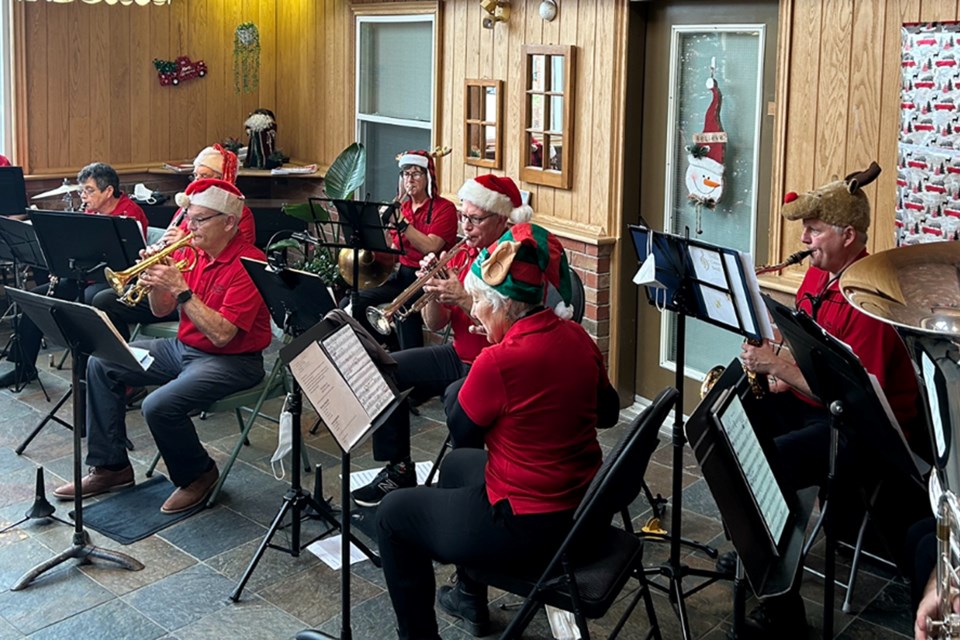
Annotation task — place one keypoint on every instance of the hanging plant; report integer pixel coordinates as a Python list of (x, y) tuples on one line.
[(246, 58)]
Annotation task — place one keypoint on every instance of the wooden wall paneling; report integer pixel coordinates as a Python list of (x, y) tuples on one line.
[(935, 11), (341, 32), (864, 130), (781, 94), (458, 51), (563, 199), (801, 111), (202, 21), (585, 168), (143, 78), (88, 119), (267, 94), (118, 125), (159, 99), (57, 144), (833, 90), (32, 113), (599, 86)]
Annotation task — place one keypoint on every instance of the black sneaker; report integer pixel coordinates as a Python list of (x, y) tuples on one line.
[(470, 608), (393, 476)]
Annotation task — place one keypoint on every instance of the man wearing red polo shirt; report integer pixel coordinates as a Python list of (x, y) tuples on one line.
[(224, 327)]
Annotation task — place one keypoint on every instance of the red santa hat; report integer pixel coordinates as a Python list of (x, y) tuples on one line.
[(218, 195), (496, 194), (712, 160), (424, 160), (220, 160)]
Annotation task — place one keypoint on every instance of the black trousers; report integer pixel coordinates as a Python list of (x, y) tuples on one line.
[(123, 316), (408, 333), (430, 372), (455, 524)]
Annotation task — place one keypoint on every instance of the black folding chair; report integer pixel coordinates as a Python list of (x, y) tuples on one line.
[(587, 574)]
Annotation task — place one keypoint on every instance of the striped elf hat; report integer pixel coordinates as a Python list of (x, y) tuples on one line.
[(523, 261)]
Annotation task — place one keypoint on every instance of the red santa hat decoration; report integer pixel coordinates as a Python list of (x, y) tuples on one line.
[(220, 160), (705, 157), (424, 160), (218, 195), (496, 194)]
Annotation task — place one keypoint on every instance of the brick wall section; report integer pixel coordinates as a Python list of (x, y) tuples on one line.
[(592, 264)]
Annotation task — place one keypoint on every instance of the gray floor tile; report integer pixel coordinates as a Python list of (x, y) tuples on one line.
[(212, 532), (113, 620), (182, 598), (251, 619), (54, 596)]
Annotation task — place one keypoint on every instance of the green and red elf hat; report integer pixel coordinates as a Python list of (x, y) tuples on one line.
[(522, 262)]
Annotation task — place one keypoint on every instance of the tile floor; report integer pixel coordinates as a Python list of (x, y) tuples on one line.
[(192, 567)]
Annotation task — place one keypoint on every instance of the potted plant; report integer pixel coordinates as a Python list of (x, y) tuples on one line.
[(342, 179)]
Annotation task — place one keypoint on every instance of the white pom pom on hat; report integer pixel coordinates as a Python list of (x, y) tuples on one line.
[(496, 194)]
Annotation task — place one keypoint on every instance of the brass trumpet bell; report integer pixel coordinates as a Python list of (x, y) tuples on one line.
[(375, 268), (131, 293)]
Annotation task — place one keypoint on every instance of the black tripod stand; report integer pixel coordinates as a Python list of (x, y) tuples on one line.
[(85, 333), (707, 282), (297, 300), (108, 242)]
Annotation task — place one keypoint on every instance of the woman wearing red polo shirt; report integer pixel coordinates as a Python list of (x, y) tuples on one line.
[(511, 505)]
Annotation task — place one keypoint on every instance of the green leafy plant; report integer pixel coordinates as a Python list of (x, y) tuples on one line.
[(345, 175)]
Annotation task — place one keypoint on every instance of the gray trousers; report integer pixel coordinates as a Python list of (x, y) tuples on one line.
[(190, 379)]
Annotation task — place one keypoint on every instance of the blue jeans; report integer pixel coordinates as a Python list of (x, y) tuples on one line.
[(190, 379)]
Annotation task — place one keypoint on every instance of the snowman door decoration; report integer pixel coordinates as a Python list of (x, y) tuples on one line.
[(704, 177)]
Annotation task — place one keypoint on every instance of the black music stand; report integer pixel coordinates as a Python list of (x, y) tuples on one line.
[(19, 239), (360, 225), (290, 353), (837, 377), (107, 241), (87, 332), (765, 522), (297, 300), (708, 283)]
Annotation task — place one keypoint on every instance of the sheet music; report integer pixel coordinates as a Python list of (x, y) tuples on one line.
[(753, 288), (358, 370), (142, 356), (707, 266), (734, 262), (334, 402), (756, 469)]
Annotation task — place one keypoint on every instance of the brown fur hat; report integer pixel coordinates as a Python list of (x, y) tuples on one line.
[(841, 202)]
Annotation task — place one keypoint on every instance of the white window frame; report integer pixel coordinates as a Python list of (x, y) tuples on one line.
[(360, 118)]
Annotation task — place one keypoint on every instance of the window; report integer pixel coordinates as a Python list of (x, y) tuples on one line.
[(395, 93), (548, 115), (483, 113)]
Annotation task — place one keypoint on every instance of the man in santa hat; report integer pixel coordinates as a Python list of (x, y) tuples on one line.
[(490, 203), (428, 224), (213, 162), (224, 327)]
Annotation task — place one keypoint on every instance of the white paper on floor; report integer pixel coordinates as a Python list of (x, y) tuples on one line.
[(328, 550), (363, 478)]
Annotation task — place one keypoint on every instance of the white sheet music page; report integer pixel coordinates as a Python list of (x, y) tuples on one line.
[(330, 395), (358, 370)]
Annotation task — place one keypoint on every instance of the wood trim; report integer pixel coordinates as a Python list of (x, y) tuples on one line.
[(483, 122), (19, 84), (562, 179), (775, 250), (396, 9)]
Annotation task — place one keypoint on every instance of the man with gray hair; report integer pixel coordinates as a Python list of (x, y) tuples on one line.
[(224, 327)]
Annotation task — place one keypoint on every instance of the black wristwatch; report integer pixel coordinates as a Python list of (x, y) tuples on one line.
[(402, 226), (183, 296)]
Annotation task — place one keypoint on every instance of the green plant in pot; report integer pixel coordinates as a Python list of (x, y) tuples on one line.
[(342, 179)]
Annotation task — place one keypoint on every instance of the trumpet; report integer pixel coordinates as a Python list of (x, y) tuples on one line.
[(131, 293), (758, 385), (385, 316)]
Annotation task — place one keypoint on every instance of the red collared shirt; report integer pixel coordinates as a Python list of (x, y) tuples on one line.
[(443, 223), (537, 392), (223, 284), (127, 208)]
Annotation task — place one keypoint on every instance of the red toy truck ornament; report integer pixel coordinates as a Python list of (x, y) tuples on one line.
[(176, 71)]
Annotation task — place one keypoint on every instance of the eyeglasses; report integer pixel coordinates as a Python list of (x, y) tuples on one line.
[(203, 176), (475, 220), (412, 174), (89, 191), (198, 222)]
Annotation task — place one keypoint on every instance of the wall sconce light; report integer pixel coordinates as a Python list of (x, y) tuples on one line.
[(499, 11), (548, 10)]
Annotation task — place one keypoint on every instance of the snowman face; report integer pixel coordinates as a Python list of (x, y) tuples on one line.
[(703, 183)]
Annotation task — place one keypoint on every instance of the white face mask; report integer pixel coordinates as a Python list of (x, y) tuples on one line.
[(284, 442)]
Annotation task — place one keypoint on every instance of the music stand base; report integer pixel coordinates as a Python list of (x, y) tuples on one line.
[(81, 550)]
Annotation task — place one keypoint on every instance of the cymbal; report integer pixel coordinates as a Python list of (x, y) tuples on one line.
[(59, 191)]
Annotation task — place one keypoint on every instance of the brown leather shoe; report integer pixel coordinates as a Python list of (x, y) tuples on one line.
[(188, 497), (98, 481)]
